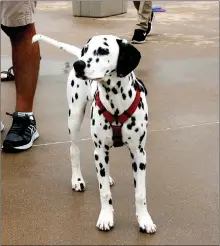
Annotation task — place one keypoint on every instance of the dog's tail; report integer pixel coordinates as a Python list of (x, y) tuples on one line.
[(62, 46)]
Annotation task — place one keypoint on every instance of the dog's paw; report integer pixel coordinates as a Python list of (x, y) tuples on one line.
[(78, 184), (146, 224), (111, 181), (105, 220)]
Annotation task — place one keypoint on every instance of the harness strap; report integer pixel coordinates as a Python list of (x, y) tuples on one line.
[(117, 130), (123, 117)]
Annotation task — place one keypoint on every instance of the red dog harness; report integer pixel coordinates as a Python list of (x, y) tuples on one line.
[(117, 133)]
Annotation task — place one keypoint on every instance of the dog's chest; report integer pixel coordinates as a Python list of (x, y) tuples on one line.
[(131, 130)]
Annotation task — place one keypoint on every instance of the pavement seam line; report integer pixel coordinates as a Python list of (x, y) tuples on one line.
[(153, 130)]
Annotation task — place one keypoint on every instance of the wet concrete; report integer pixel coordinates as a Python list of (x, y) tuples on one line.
[(180, 69)]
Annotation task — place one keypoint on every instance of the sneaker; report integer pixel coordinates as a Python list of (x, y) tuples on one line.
[(2, 126), (140, 35), (22, 134)]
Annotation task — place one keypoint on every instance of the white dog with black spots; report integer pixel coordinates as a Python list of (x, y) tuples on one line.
[(105, 65)]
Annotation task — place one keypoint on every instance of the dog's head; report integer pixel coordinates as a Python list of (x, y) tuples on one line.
[(105, 54)]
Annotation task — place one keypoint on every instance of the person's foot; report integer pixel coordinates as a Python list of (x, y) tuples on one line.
[(22, 133), (140, 35), (2, 126)]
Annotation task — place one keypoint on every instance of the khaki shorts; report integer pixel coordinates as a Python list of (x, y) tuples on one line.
[(17, 13)]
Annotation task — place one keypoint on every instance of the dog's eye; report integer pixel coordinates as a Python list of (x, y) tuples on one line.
[(83, 52), (102, 51)]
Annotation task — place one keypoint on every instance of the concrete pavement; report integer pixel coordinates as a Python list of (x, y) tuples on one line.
[(180, 68)]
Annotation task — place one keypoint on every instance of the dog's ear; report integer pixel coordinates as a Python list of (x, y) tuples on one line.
[(128, 59)]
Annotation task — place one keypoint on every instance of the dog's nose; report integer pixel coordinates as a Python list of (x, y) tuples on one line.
[(79, 66)]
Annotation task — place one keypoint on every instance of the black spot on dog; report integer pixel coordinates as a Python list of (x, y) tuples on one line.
[(97, 60), (100, 186), (82, 186), (141, 149), (142, 166), (95, 144), (119, 84), (79, 179), (95, 135), (134, 166), (89, 60), (142, 137), (95, 52), (105, 39), (78, 86), (106, 44), (93, 122), (124, 96), (88, 65), (132, 156), (105, 127), (91, 113), (108, 82), (113, 71), (146, 117), (69, 112), (96, 157), (72, 100), (129, 138), (100, 164), (110, 201), (116, 112), (134, 183), (100, 142), (130, 93), (86, 82), (102, 52), (76, 96), (72, 83), (136, 130), (107, 71), (107, 97), (129, 126), (106, 159), (83, 52), (86, 49), (69, 131), (107, 153), (107, 147), (114, 90), (112, 105), (102, 172)]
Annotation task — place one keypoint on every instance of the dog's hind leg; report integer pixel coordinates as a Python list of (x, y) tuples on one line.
[(77, 95)]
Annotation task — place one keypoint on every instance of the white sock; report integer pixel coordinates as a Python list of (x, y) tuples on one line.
[(25, 113)]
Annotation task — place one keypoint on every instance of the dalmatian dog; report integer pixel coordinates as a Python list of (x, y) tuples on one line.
[(104, 75)]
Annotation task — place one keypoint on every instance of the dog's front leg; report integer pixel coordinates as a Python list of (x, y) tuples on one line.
[(139, 171), (77, 95), (106, 218)]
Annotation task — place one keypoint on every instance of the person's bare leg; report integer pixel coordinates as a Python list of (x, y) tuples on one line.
[(26, 61)]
